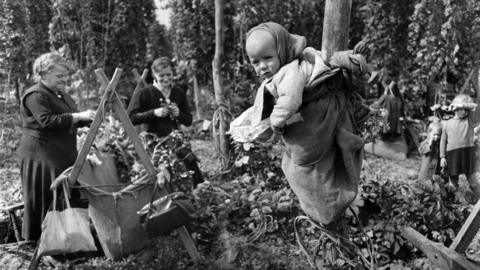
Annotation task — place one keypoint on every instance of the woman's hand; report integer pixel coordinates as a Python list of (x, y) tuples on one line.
[(443, 162), (87, 115), (161, 112), (173, 109)]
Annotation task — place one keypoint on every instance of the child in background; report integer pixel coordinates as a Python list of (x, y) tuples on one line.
[(457, 149), (430, 151)]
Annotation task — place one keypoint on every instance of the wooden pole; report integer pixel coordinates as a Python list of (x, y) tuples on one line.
[(192, 68), (336, 23), (221, 125), (218, 58), (196, 97)]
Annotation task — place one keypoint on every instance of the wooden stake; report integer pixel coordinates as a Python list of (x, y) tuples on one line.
[(437, 253), (336, 23), (451, 258), (222, 142), (468, 231)]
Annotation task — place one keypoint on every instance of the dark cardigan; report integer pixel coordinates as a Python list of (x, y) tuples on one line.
[(146, 100), (48, 131)]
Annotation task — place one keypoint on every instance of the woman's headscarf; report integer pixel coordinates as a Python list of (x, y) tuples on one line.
[(289, 46)]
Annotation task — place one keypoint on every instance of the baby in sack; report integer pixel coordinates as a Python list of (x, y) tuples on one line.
[(289, 71)]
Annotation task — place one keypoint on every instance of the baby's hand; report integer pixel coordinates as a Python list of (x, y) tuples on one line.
[(237, 137)]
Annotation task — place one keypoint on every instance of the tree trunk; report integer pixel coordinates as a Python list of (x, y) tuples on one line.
[(476, 85), (218, 58), (18, 90), (221, 116), (336, 25)]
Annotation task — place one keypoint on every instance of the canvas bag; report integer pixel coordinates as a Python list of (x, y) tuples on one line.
[(111, 205), (66, 231), (323, 156)]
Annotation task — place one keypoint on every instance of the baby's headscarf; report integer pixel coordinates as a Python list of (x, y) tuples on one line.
[(289, 46)]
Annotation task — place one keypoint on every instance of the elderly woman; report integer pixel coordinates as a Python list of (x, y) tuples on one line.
[(48, 145)]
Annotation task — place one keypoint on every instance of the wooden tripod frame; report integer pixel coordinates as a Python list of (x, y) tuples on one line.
[(111, 97), (140, 79)]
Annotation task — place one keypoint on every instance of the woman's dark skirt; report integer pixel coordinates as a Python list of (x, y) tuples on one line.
[(36, 179), (41, 161)]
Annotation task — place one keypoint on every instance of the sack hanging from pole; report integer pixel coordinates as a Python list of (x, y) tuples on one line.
[(323, 154), (111, 206)]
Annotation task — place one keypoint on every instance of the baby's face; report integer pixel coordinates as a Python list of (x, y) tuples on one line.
[(261, 51)]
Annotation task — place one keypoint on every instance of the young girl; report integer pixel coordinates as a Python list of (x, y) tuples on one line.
[(322, 158), (457, 149)]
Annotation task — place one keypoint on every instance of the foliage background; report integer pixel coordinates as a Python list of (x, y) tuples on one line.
[(428, 46)]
